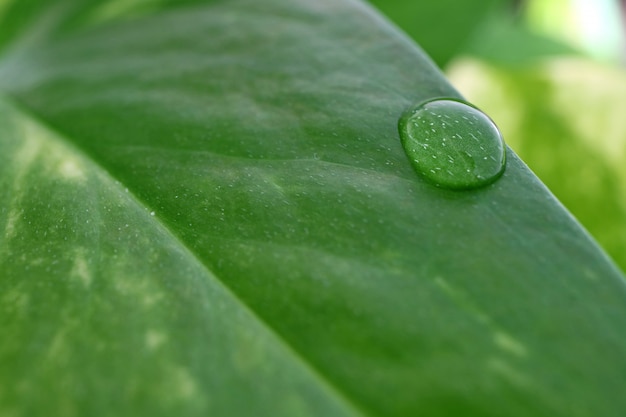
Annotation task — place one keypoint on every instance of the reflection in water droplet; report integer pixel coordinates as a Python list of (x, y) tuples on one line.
[(461, 139)]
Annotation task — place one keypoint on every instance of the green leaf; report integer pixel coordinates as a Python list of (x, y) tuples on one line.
[(206, 210)]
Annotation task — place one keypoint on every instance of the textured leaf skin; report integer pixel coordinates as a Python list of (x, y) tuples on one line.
[(207, 211)]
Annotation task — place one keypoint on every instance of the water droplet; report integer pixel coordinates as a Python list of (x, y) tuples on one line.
[(471, 139)]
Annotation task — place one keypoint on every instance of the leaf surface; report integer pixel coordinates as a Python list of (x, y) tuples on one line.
[(207, 211)]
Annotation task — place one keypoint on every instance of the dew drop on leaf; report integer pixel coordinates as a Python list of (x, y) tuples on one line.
[(465, 149)]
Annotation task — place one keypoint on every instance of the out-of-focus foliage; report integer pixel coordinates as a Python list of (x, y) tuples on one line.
[(504, 41), (593, 26), (442, 27)]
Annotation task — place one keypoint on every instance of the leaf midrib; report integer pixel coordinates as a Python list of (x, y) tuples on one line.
[(61, 139)]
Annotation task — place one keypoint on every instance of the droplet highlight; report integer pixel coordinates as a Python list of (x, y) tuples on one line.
[(452, 144)]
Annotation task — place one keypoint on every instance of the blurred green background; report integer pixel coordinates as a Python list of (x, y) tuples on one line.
[(552, 75)]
